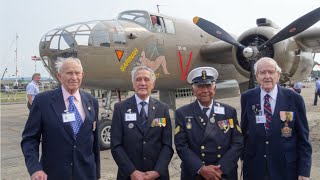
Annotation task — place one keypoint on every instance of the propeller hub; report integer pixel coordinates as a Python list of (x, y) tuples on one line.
[(248, 52)]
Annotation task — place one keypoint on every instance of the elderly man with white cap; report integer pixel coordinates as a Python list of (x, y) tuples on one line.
[(208, 138)]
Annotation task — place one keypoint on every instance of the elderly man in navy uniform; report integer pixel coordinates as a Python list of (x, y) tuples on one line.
[(208, 138)]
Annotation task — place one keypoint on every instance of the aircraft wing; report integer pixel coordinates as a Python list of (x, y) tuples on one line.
[(309, 40)]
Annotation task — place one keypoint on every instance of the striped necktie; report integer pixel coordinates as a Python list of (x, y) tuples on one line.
[(267, 112), (76, 124)]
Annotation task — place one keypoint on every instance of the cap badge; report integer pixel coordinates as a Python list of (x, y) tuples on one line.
[(204, 74)]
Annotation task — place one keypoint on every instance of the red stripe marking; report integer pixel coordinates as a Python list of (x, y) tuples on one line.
[(184, 73)]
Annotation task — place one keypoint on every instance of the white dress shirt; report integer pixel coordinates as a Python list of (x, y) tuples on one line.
[(273, 97)]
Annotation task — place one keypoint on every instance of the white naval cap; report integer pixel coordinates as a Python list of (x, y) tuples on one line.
[(203, 75)]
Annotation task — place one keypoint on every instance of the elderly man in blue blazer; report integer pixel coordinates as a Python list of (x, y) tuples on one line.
[(141, 142), (64, 121), (275, 129)]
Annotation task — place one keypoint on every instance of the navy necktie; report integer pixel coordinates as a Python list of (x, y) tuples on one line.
[(267, 112), (76, 124), (206, 118), (204, 110), (143, 114)]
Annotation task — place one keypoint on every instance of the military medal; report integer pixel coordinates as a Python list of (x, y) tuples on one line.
[(162, 122), (286, 130), (230, 123), (94, 126), (286, 117), (254, 108), (212, 120), (225, 126), (189, 126), (220, 123), (130, 125)]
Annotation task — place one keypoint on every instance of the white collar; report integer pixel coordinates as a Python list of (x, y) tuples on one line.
[(273, 94), (210, 106), (138, 100)]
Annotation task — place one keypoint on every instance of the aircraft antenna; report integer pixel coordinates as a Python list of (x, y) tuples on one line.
[(158, 8)]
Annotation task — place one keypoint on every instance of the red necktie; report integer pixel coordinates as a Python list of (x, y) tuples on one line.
[(267, 112)]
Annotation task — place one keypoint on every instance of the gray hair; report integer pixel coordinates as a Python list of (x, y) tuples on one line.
[(61, 61), (35, 74), (139, 68), (264, 59)]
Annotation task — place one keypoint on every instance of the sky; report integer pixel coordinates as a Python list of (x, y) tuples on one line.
[(31, 19)]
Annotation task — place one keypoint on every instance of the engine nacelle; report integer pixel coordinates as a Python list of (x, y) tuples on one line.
[(286, 52)]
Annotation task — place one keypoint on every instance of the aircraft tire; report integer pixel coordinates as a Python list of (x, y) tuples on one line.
[(104, 134)]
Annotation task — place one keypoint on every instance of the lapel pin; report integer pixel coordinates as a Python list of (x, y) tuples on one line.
[(129, 110), (153, 108)]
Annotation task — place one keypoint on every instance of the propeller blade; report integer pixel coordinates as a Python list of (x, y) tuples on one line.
[(216, 31), (294, 28)]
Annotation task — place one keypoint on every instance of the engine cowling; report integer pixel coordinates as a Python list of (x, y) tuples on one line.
[(283, 52)]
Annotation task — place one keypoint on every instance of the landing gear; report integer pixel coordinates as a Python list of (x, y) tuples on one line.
[(105, 134), (105, 122)]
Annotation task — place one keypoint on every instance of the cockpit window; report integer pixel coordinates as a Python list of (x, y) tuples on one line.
[(140, 17), (99, 36), (70, 36), (169, 26), (117, 32)]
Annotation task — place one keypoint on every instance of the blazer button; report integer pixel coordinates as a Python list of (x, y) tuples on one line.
[(71, 164), (202, 147), (265, 156), (219, 156), (74, 146), (144, 142), (267, 142), (203, 155), (219, 147), (144, 158)]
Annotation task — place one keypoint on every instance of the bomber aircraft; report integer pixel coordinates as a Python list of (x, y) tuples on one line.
[(172, 47)]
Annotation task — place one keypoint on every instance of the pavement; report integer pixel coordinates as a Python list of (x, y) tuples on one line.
[(13, 118)]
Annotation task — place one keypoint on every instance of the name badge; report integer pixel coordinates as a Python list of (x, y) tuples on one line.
[(218, 110), (261, 119), (68, 117), (130, 116)]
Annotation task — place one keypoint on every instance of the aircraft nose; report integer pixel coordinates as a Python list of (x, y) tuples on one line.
[(66, 41)]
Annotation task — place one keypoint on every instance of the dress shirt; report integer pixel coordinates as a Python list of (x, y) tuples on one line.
[(273, 97), (138, 100), (209, 110), (77, 101)]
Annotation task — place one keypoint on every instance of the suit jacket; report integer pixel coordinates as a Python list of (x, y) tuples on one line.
[(135, 149), (199, 144), (285, 157), (62, 156)]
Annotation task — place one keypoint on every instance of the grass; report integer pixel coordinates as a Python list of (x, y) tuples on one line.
[(13, 97)]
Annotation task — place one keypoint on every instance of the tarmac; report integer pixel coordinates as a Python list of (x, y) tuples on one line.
[(13, 118)]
